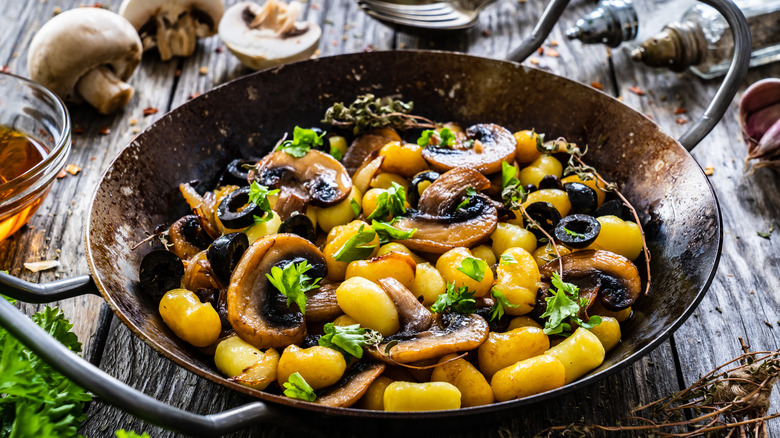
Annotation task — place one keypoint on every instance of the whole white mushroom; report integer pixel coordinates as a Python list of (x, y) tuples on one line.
[(173, 26), (86, 54)]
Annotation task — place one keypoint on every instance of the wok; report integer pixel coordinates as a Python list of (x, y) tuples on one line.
[(139, 190)]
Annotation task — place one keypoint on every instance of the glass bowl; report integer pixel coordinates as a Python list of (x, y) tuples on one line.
[(40, 116)]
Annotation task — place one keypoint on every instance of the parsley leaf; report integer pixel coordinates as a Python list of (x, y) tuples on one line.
[(387, 232), (508, 259), (355, 207), (563, 306), (501, 303), (446, 137), (258, 195), (296, 387), (357, 247), (459, 300), (512, 192), (473, 268), (573, 233), (349, 340), (303, 141), (293, 282), (36, 399), (470, 193), (391, 202)]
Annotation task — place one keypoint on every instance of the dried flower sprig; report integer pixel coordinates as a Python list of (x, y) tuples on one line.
[(368, 112)]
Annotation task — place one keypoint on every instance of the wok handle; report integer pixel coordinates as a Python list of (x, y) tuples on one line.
[(546, 22), (123, 396), (736, 73), (21, 290)]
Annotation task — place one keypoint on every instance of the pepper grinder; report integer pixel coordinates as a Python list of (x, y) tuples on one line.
[(611, 23)]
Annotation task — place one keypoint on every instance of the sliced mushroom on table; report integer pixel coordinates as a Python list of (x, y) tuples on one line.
[(486, 145), (255, 309), (173, 26), (440, 224), (86, 54)]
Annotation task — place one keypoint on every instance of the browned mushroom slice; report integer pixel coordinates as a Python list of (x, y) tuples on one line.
[(188, 237), (315, 178), (255, 309), (485, 147), (440, 224), (367, 146), (362, 177), (322, 304), (412, 314), (355, 382), (611, 277), (450, 333)]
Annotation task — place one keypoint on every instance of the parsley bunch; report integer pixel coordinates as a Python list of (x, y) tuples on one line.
[(293, 282), (459, 300), (349, 340), (563, 307), (303, 141), (258, 195)]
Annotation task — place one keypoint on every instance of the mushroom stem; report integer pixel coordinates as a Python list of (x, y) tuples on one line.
[(104, 90), (178, 39)]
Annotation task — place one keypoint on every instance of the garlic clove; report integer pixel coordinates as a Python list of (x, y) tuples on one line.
[(759, 117)]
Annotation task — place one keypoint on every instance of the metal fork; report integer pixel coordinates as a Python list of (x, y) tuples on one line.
[(441, 15)]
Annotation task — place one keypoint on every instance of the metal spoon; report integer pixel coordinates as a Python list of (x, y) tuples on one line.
[(441, 15)]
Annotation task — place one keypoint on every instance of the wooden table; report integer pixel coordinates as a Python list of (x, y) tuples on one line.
[(743, 301)]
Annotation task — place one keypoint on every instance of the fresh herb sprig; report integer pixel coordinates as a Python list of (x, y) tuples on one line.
[(349, 340), (470, 193), (501, 303), (445, 138), (357, 247), (391, 202), (368, 112), (296, 387), (302, 142), (387, 232), (473, 268), (512, 193), (563, 308), (456, 300), (292, 282), (258, 195)]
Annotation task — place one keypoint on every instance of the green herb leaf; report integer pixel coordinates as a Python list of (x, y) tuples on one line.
[(573, 233), (296, 387), (468, 144), (368, 112), (445, 138), (387, 232), (563, 306), (349, 340), (508, 259), (293, 282), (425, 138), (121, 433), (258, 195), (512, 192), (355, 207), (391, 202), (470, 193), (501, 303), (303, 141), (765, 235), (357, 247), (459, 300), (336, 153), (474, 268)]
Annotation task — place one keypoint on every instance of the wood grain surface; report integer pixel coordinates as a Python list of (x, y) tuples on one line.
[(743, 300)]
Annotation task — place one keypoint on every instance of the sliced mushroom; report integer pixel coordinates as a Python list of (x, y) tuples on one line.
[(413, 316), (440, 224), (86, 54), (188, 237), (254, 308), (362, 177), (450, 333), (173, 26), (316, 178), (367, 146), (269, 35), (610, 277), (352, 385), (485, 147), (322, 305)]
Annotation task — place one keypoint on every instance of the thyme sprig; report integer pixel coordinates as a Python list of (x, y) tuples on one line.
[(368, 112)]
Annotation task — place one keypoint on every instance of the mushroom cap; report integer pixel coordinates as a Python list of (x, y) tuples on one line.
[(496, 144), (263, 48), (139, 12), (77, 41)]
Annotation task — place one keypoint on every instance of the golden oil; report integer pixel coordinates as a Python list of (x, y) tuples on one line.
[(18, 154)]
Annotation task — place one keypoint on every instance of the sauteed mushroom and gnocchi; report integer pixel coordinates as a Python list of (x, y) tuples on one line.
[(425, 266)]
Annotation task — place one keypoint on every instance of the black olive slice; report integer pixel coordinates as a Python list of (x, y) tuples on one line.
[(583, 198), (161, 271), (546, 215), (577, 230), (236, 212), (224, 254), (236, 173), (529, 188), (615, 207), (413, 194), (299, 224), (550, 182)]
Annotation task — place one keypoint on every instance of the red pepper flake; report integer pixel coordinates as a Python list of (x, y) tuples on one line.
[(194, 95), (62, 174), (78, 130), (552, 52), (104, 130), (315, 7), (540, 50), (709, 170), (150, 111), (597, 85), (554, 43), (534, 61), (335, 43), (486, 33), (636, 90), (5, 69), (92, 158), (680, 111), (177, 73), (72, 169), (219, 50), (680, 121)]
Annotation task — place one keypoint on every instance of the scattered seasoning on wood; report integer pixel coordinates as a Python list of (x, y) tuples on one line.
[(636, 90), (486, 33), (57, 10), (62, 174), (104, 130), (597, 85), (768, 324), (78, 130), (649, 116), (681, 121), (534, 61), (219, 50), (540, 50), (316, 7), (203, 70), (177, 73), (194, 95), (552, 52), (72, 169), (149, 111), (41, 266), (719, 309), (554, 43), (680, 111), (133, 122), (5, 69), (709, 170)]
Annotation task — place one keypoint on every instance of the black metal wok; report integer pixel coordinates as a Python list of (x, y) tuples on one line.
[(139, 190)]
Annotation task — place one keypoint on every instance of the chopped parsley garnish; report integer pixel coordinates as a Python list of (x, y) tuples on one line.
[(391, 202), (512, 192), (336, 153), (296, 387), (357, 247), (258, 195), (387, 232), (474, 268), (508, 259), (563, 307), (293, 282), (459, 300), (303, 141), (446, 137), (501, 303), (470, 193), (573, 233), (349, 340), (355, 207)]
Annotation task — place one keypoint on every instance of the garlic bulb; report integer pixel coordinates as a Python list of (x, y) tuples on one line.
[(759, 116)]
